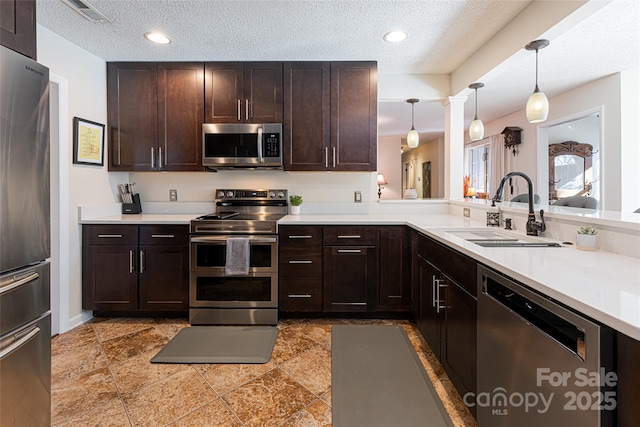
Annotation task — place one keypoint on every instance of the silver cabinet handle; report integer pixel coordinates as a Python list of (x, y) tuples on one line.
[(159, 157), (162, 236), (300, 237), (333, 155), (142, 258), (246, 109), (153, 157), (222, 240), (439, 285), (326, 157), (15, 345), (260, 159), (349, 236), (349, 251), (239, 109), (433, 291), (110, 236), (299, 296), (300, 261), (131, 261), (17, 281)]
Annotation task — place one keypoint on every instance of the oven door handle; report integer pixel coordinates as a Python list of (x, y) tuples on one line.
[(223, 239), (260, 156)]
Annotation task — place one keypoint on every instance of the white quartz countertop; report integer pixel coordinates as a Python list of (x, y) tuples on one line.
[(602, 285)]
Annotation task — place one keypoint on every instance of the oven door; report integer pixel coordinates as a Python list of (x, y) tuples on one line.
[(209, 254), (211, 290)]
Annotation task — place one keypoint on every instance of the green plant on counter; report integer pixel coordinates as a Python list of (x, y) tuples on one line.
[(295, 200), (587, 229)]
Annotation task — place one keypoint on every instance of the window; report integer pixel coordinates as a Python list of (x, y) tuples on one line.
[(477, 167)]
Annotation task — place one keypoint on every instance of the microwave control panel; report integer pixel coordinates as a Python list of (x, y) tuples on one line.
[(271, 145)]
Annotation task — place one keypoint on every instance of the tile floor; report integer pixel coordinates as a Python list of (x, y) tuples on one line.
[(102, 377)]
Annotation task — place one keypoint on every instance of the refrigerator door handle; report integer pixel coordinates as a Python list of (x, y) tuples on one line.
[(11, 285), (19, 342)]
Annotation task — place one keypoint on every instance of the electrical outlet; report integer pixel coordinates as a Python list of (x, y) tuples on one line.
[(466, 212), (357, 197), (173, 195)]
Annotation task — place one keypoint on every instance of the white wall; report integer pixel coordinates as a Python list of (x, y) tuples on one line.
[(390, 165), (605, 93), (630, 150), (86, 76)]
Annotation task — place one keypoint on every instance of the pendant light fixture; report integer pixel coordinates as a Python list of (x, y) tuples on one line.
[(413, 138), (537, 105), (476, 128)]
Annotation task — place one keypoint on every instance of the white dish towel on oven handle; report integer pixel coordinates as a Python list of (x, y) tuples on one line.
[(237, 256)]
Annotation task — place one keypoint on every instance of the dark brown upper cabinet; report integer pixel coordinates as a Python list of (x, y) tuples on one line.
[(155, 113), (330, 116), (18, 26), (243, 92)]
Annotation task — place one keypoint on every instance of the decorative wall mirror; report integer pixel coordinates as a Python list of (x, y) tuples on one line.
[(570, 172)]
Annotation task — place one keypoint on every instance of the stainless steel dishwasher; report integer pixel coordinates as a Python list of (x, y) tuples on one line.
[(539, 363)]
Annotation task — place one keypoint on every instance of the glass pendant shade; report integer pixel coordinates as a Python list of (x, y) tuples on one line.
[(413, 138), (537, 107), (476, 130)]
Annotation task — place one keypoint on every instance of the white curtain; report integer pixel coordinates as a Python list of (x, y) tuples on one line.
[(496, 162)]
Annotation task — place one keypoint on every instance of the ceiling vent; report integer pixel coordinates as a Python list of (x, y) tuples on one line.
[(87, 11)]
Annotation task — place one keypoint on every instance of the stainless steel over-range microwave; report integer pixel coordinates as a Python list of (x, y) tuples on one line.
[(242, 145)]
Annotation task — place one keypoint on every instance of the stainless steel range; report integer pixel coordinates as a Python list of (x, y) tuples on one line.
[(220, 293)]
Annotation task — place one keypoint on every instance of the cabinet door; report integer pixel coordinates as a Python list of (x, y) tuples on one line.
[(262, 101), (349, 278), (132, 105), (223, 82), (180, 115), (430, 320), (110, 277), (18, 26), (393, 269), (415, 277), (307, 115), (458, 354), (299, 294), (164, 277), (354, 120)]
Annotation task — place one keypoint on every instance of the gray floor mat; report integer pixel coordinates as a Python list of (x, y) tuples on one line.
[(378, 380), (219, 344)]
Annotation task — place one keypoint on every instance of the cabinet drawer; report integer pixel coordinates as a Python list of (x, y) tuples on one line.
[(300, 294), (349, 235), (110, 234), (164, 235), (301, 261), (299, 235), (456, 266)]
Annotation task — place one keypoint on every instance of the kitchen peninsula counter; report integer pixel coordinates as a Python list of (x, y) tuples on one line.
[(602, 285)]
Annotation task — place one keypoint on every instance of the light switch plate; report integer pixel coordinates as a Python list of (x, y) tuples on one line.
[(173, 195), (466, 212), (357, 197)]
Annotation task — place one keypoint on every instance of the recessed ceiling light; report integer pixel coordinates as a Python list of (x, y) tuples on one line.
[(157, 38), (395, 36)]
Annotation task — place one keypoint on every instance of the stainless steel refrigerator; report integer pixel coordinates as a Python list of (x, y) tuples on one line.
[(25, 320)]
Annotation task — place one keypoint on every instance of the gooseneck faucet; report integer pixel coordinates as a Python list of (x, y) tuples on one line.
[(532, 225)]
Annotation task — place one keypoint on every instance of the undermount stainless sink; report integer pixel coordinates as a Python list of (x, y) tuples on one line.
[(500, 239)]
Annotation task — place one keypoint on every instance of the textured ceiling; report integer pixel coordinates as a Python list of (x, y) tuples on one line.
[(442, 35)]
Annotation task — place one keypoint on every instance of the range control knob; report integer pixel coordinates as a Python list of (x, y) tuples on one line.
[(220, 194), (280, 194), (229, 194), (272, 194)]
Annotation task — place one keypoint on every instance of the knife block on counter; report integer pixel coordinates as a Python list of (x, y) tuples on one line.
[(132, 208)]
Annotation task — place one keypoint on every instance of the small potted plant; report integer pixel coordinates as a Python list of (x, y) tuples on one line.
[(587, 238), (295, 202)]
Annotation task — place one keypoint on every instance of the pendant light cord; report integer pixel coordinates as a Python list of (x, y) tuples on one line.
[(476, 117), (536, 89), (412, 105)]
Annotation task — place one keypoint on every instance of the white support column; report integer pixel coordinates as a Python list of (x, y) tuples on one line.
[(454, 146)]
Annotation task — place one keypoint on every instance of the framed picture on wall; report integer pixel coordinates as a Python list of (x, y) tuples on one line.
[(88, 142)]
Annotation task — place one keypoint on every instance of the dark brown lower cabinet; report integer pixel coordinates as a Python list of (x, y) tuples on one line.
[(447, 311), (349, 279), (394, 272), (128, 268), (628, 393)]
